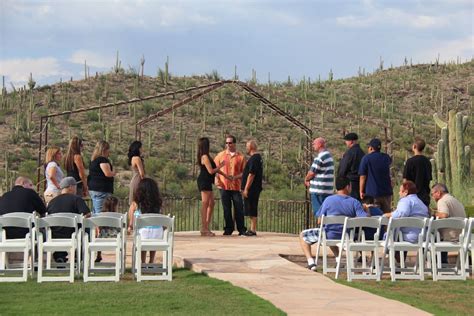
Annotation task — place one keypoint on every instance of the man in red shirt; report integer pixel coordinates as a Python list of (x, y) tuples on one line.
[(230, 187)]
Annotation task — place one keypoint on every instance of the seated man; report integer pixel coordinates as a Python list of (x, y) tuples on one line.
[(447, 206), (22, 198), (66, 202), (409, 205), (339, 204)]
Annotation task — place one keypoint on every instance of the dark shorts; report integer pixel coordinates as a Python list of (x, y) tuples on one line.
[(251, 205), (204, 186)]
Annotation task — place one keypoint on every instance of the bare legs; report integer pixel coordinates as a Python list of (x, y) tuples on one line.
[(253, 223), (152, 256), (207, 209)]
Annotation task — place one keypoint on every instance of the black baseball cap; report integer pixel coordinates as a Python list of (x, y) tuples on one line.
[(351, 136), (375, 143)]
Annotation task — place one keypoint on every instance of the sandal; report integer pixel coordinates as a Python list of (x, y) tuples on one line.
[(207, 234)]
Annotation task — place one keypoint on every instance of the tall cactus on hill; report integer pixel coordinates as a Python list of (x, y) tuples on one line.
[(452, 162)]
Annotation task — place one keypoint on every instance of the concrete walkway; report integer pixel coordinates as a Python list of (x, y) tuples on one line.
[(256, 265)]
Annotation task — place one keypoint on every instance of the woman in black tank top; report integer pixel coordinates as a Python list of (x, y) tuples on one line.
[(204, 182), (74, 165)]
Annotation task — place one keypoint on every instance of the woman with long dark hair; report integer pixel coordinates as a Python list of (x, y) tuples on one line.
[(101, 176), (74, 165), (146, 200), (204, 182), (135, 161)]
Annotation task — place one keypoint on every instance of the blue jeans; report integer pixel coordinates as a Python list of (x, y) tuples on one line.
[(316, 201), (228, 198), (98, 199)]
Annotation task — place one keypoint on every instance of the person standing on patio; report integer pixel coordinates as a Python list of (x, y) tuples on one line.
[(252, 185), (320, 177), (53, 173), (230, 187), (204, 182), (418, 170), (374, 172), (350, 162), (135, 161), (74, 165), (101, 176)]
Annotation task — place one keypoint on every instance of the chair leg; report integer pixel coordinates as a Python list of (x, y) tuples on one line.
[(86, 262), (170, 264), (318, 247), (325, 259), (138, 262), (434, 266), (421, 265), (338, 263), (40, 263), (118, 259), (463, 266), (72, 268), (392, 264), (25, 263), (349, 264)]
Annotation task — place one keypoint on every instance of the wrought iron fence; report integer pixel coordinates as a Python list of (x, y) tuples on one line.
[(274, 215)]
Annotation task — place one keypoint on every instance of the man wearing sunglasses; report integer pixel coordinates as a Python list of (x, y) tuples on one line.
[(229, 185)]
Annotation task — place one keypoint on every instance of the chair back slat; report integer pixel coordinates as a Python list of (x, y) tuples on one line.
[(109, 214), (329, 220), (157, 220), (19, 214), (409, 222), (57, 221), (453, 223), (363, 222), (11, 221), (102, 221)]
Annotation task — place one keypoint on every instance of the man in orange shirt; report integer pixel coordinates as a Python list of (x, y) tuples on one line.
[(230, 187)]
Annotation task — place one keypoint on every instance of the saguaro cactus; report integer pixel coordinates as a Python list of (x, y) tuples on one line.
[(452, 158)]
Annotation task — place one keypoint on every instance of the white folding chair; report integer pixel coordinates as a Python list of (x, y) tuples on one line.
[(350, 244), (32, 217), (94, 244), (469, 245), (15, 245), (79, 219), (324, 242), (437, 246), (165, 245), (395, 243), (49, 245), (123, 217)]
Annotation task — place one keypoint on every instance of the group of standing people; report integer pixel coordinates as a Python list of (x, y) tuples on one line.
[(235, 177), (364, 188)]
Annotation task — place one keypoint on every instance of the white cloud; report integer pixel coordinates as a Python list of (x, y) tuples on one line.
[(448, 50), (18, 70), (391, 16), (92, 58)]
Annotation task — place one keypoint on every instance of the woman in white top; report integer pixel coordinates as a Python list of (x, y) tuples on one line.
[(53, 173)]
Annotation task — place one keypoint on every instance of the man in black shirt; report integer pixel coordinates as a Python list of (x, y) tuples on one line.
[(66, 202), (418, 170), (349, 164), (22, 198), (252, 185)]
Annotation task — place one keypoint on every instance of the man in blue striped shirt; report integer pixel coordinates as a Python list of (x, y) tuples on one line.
[(320, 177)]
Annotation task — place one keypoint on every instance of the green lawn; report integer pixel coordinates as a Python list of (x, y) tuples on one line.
[(189, 293), (438, 298)]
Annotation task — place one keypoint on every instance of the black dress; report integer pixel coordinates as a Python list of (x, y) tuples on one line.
[(205, 179)]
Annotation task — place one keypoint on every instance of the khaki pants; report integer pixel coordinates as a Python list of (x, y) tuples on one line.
[(48, 196)]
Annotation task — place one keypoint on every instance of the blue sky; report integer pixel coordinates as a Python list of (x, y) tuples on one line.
[(51, 39)]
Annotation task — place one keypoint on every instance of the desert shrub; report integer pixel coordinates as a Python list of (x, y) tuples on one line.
[(27, 168)]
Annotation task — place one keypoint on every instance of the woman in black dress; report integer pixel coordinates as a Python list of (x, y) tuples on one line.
[(204, 182), (74, 165)]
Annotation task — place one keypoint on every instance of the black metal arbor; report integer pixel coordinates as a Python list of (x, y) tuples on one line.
[(192, 93)]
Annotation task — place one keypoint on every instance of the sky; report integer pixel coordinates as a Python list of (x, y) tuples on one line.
[(51, 39)]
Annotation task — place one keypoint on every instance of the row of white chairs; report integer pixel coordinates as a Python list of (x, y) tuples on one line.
[(428, 247), (82, 246)]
